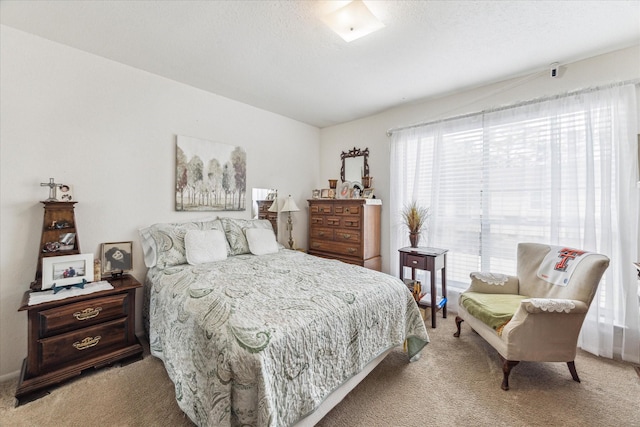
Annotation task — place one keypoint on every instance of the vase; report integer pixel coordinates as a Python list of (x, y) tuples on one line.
[(414, 238)]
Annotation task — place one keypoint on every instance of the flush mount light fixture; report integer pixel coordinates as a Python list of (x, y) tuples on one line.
[(353, 21)]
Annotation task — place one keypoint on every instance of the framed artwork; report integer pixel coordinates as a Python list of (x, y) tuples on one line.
[(367, 193), (64, 193), (332, 193), (66, 270), (324, 193), (210, 176), (315, 194), (116, 258)]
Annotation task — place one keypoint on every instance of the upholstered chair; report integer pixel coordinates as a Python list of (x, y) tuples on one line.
[(535, 316)]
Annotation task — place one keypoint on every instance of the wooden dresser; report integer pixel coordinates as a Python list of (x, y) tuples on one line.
[(70, 335), (347, 230)]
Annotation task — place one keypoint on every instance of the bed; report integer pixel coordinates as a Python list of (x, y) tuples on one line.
[(266, 336)]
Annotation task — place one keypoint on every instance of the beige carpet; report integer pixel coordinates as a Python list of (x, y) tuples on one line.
[(456, 382)]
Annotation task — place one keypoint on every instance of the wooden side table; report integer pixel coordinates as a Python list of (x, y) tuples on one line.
[(71, 335), (431, 260)]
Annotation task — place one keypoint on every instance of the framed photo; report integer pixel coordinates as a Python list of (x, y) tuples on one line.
[(367, 193), (315, 194), (332, 193), (64, 193), (66, 270), (324, 193), (116, 258)]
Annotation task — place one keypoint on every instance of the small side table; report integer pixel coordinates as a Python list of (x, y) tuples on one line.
[(431, 260)]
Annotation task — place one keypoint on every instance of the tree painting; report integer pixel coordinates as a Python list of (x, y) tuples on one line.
[(210, 176)]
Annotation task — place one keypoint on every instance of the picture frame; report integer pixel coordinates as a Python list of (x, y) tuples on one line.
[(116, 258), (315, 194), (324, 193), (64, 193), (66, 270), (367, 193)]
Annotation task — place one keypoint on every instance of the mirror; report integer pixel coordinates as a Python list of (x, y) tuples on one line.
[(261, 203), (355, 165)]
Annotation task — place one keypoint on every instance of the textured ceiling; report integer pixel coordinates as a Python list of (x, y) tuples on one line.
[(280, 56)]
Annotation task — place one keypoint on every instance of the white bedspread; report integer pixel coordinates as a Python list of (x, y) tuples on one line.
[(262, 340)]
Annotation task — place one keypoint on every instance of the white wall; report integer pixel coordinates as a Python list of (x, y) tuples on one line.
[(110, 130), (371, 131)]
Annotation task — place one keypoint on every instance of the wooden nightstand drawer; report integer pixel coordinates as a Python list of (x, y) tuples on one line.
[(83, 343), (347, 236), (82, 314), (415, 261)]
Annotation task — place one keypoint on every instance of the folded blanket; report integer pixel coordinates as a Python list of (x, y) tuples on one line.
[(559, 264)]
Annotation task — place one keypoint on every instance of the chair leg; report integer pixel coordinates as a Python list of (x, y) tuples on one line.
[(459, 320), (572, 369), (507, 365)]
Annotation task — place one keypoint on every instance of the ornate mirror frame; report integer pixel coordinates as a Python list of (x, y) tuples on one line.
[(355, 152)]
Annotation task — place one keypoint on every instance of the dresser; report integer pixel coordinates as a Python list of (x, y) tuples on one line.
[(347, 230), (70, 335)]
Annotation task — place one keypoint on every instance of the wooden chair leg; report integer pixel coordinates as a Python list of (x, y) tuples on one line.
[(572, 369), (507, 365), (459, 320)]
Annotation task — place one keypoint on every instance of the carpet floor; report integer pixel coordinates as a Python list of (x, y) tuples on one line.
[(455, 382)]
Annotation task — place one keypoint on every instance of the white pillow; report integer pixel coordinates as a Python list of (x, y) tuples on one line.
[(205, 246), (261, 241)]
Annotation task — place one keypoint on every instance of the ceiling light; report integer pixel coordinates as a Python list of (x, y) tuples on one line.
[(353, 21)]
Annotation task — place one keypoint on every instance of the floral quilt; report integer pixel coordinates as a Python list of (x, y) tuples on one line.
[(263, 340)]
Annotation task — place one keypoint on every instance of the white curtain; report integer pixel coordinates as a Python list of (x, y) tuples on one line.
[(561, 171)]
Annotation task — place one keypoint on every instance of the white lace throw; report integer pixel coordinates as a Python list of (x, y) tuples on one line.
[(490, 278), (559, 305), (559, 264), (46, 296)]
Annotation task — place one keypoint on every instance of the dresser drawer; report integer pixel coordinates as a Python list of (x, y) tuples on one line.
[(343, 235), (82, 314), (415, 261), (335, 248), (350, 222), (321, 208), (348, 210), (83, 343), (322, 233)]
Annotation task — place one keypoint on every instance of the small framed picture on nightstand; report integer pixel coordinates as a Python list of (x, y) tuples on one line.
[(117, 258)]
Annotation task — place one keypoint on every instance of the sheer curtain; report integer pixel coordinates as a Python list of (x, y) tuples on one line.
[(561, 171)]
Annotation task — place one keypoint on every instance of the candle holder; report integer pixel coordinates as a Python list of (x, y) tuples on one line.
[(333, 183)]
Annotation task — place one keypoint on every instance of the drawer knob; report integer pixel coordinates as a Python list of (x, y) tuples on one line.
[(346, 236), (86, 343), (414, 262), (347, 210), (87, 313), (351, 250), (321, 234)]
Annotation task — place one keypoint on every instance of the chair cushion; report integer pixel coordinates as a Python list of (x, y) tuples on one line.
[(493, 309)]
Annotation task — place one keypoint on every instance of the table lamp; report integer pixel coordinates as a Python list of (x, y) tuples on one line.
[(289, 206)]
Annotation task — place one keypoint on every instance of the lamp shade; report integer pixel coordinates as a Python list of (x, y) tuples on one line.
[(274, 205), (289, 205)]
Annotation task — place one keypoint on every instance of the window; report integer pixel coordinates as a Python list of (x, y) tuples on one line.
[(560, 171)]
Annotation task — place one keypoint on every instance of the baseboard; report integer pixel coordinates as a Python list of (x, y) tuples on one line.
[(9, 376)]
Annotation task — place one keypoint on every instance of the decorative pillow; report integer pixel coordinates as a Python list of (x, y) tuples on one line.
[(234, 227), (205, 246), (261, 241), (169, 240)]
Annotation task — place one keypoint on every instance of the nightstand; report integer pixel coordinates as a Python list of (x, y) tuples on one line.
[(431, 260), (73, 334)]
